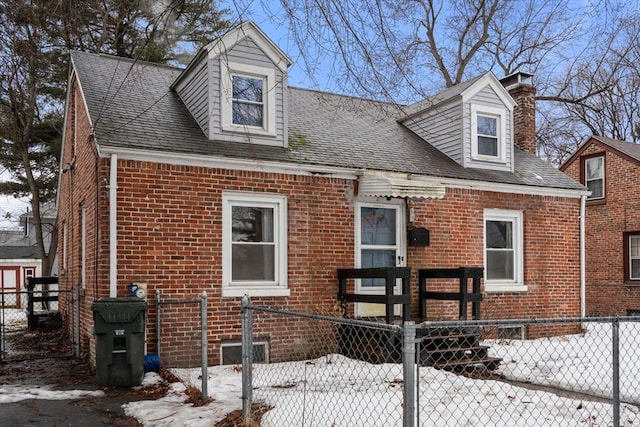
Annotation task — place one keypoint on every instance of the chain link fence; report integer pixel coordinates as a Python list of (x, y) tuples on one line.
[(32, 324), (329, 371), (181, 326)]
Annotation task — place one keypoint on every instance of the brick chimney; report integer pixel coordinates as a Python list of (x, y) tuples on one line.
[(524, 114)]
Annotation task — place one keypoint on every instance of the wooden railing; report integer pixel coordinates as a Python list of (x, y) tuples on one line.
[(463, 296), (390, 276)]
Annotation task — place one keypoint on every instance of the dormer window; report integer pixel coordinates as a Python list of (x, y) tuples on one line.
[(487, 128), (248, 99), (488, 134)]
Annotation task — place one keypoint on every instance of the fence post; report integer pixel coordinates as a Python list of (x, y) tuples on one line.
[(205, 361), (158, 323), (615, 340), (247, 356), (408, 369)]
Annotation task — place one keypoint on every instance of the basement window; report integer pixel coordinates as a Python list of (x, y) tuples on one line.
[(231, 352)]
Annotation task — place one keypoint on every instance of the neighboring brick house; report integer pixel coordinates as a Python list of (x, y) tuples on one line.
[(220, 177), (611, 170)]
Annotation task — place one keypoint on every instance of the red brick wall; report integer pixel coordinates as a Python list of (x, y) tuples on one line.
[(606, 292), (83, 185), (170, 237), (551, 251)]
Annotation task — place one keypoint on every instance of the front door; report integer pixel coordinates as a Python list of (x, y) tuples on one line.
[(380, 243)]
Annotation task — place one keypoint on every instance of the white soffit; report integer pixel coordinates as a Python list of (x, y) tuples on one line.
[(380, 186)]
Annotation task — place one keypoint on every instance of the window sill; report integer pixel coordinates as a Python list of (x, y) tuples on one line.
[(250, 130), (511, 287), (489, 159), (256, 292), (594, 202)]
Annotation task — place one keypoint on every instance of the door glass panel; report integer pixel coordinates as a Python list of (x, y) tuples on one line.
[(377, 258), (378, 227)]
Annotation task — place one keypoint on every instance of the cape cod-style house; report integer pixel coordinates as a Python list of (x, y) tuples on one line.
[(222, 178)]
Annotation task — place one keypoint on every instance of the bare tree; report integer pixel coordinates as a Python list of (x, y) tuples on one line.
[(404, 50), (35, 37)]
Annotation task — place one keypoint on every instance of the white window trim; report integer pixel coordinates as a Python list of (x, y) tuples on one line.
[(228, 70), (500, 115), (629, 238), (276, 288), (586, 182), (516, 285)]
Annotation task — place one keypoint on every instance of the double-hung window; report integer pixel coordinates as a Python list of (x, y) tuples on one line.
[(248, 98), (594, 177), (503, 236), (254, 244), (247, 102), (488, 134), (632, 257)]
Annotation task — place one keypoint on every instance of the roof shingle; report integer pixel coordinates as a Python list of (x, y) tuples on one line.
[(131, 105)]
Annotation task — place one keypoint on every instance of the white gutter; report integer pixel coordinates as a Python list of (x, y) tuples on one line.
[(583, 296), (113, 221)]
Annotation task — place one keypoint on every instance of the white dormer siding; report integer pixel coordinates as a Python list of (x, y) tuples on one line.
[(449, 121), (236, 87), (486, 103), (194, 93), (246, 59), (442, 127)]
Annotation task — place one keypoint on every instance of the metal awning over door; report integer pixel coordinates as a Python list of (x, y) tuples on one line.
[(384, 186)]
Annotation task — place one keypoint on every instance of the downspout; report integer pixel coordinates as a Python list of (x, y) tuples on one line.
[(113, 220), (583, 296)]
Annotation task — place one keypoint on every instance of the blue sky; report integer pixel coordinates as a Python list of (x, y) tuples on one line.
[(269, 16)]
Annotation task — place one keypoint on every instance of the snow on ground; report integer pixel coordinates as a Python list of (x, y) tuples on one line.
[(333, 387), (10, 393), (13, 319), (581, 363)]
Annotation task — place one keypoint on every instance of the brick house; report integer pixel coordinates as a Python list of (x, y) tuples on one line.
[(611, 170), (220, 177)]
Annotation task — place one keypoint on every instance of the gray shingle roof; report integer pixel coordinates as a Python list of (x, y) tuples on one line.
[(131, 105), (629, 148), (19, 252)]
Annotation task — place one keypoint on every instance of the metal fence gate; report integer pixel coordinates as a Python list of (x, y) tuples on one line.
[(34, 322)]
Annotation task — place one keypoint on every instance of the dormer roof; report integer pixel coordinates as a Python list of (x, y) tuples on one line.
[(462, 92), (231, 38)]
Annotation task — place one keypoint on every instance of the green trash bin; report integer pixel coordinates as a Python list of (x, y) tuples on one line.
[(119, 330)]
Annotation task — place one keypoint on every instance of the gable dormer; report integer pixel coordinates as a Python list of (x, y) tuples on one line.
[(235, 88), (471, 122)]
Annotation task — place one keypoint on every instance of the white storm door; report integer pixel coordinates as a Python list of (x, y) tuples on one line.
[(379, 243)]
